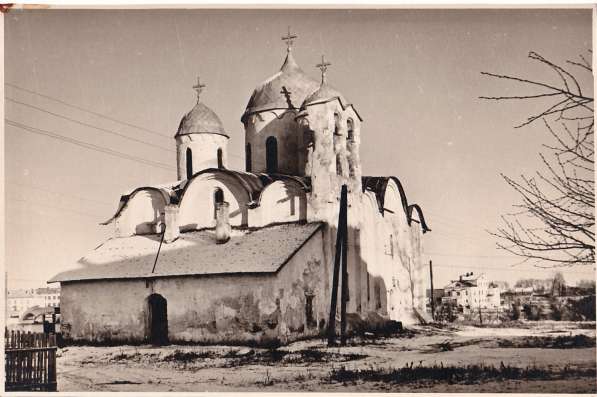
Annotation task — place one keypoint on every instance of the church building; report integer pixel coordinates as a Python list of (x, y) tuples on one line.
[(230, 256)]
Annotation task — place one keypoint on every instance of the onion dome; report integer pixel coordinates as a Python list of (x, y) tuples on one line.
[(325, 93), (201, 119), (286, 89)]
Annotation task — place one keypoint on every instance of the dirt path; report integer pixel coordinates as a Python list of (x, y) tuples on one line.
[(308, 365)]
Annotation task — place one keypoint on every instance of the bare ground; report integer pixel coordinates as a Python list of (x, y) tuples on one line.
[(561, 354)]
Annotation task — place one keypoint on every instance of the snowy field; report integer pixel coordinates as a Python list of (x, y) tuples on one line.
[(545, 357)]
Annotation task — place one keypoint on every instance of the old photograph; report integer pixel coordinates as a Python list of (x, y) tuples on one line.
[(283, 200)]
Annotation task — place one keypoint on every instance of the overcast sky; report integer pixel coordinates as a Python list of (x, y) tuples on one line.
[(413, 75)]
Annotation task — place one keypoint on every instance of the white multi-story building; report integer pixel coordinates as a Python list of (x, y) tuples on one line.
[(471, 292), (19, 301)]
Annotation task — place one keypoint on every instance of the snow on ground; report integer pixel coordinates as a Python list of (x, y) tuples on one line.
[(307, 365)]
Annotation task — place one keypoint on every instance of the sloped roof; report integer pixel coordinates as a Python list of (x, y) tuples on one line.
[(264, 250)]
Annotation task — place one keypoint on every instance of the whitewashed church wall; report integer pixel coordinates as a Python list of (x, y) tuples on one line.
[(204, 149), (280, 125), (247, 308), (141, 214), (197, 208), (280, 201)]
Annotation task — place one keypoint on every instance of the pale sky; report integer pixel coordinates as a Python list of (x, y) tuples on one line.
[(413, 75)]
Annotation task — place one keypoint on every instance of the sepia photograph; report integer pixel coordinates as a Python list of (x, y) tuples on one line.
[(270, 199)]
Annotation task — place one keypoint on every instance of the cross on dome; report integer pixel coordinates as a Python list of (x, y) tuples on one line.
[(289, 39), (323, 66), (199, 87)]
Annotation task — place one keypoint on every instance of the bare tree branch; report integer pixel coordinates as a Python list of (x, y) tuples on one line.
[(554, 224)]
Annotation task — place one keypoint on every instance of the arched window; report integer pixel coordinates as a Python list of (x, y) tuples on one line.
[(189, 163), (338, 164), (220, 161), (271, 155), (336, 124), (218, 199), (248, 164), (350, 131)]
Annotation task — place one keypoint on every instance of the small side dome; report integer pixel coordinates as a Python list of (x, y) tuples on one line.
[(201, 119), (324, 93)]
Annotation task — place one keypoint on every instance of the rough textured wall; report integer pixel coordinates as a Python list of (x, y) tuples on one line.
[(330, 160), (102, 311), (284, 128), (236, 308), (141, 214), (204, 148), (197, 204)]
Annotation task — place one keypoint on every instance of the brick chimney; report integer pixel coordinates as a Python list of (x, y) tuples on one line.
[(171, 222), (222, 223)]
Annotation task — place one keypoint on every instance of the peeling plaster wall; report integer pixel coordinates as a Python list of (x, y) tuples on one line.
[(204, 148), (99, 311), (210, 309)]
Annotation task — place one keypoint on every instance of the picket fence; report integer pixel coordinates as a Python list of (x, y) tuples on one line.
[(30, 361)]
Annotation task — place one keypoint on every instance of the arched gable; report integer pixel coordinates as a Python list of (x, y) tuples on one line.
[(197, 197), (416, 213), (282, 201)]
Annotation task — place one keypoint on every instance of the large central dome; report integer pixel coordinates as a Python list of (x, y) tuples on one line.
[(287, 89)]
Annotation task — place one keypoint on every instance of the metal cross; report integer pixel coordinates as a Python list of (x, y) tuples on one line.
[(199, 87), (286, 94), (323, 66), (289, 39)]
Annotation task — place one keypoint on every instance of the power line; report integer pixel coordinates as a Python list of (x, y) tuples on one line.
[(55, 207), (60, 194), (88, 111), (87, 145), (89, 125)]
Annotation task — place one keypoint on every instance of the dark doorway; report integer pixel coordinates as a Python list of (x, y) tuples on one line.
[(271, 155), (189, 163), (158, 319)]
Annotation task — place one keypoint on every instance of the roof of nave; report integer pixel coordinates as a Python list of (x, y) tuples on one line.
[(196, 253), (379, 184), (287, 89), (173, 193)]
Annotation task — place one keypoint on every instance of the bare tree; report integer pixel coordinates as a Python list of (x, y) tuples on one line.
[(554, 224)]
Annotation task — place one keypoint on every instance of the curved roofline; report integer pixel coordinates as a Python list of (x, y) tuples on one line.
[(203, 132), (257, 111), (125, 198), (281, 178), (235, 174), (379, 187), (417, 208), (344, 106)]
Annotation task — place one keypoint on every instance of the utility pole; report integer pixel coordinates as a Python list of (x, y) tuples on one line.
[(432, 299), (344, 294), (340, 258)]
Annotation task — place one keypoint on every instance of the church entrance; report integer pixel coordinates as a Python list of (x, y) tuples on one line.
[(157, 319)]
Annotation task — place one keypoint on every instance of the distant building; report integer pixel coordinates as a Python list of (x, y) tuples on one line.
[(18, 301), (471, 292)]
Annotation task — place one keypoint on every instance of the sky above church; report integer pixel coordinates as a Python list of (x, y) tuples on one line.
[(413, 75)]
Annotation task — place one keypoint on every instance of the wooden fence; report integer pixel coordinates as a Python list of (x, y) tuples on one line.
[(30, 361)]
